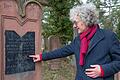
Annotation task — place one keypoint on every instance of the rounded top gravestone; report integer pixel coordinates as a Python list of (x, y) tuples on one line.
[(19, 37)]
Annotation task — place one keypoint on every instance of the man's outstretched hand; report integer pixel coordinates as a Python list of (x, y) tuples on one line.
[(35, 57)]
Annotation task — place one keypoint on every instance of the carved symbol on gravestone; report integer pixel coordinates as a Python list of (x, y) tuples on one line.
[(17, 52)]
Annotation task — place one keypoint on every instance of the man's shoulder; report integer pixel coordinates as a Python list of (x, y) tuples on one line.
[(107, 32)]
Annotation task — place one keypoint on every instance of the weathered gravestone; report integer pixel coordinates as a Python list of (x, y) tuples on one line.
[(20, 36), (54, 43), (57, 69)]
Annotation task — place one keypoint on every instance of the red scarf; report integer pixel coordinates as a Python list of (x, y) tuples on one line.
[(85, 38)]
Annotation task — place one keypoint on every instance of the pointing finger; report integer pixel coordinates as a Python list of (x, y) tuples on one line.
[(33, 56)]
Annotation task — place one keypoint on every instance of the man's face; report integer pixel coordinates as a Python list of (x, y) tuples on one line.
[(79, 25)]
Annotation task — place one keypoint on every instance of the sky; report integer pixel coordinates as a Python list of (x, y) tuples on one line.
[(84, 1)]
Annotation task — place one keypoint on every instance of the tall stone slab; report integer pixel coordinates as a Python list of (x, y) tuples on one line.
[(54, 43), (20, 36)]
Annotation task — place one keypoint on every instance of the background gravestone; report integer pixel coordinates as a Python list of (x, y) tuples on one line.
[(54, 43), (19, 37), (57, 69)]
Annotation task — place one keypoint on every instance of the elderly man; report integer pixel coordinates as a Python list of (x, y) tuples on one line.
[(97, 51)]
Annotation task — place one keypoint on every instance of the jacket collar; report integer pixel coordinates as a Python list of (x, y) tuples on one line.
[(99, 35)]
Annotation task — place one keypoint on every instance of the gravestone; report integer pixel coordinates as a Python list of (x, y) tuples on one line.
[(20, 36), (55, 69), (54, 43)]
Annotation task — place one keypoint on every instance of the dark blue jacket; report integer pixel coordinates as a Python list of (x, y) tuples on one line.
[(104, 49)]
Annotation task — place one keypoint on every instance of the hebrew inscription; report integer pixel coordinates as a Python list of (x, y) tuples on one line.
[(17, 52)]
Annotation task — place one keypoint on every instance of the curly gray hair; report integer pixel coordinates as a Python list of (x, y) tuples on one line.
[(87, 12)]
